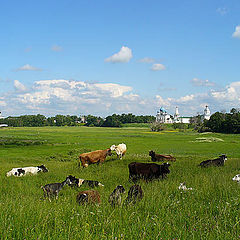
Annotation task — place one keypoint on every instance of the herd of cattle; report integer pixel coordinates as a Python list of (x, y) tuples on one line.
[(137, 170)]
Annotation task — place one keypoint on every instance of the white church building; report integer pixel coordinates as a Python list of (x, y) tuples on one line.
[(164, 117)]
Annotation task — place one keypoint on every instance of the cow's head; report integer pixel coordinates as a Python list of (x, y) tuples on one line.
[(109, 152), (165, 167), (113, 147), (120, 188), (71, 180), (83, 198), (223, 157), (43, 168), (151, 153)]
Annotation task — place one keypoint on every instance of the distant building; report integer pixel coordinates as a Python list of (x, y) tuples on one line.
[(206, 114), (164, 117)]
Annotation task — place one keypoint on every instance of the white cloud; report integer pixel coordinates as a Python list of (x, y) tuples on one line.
[(200, 82), (60, 96), (236, 34), (186, 98), (147, 60), (28, 67), (231, 93), (124, 55), (19, 86), (158, 67), (56, 48)]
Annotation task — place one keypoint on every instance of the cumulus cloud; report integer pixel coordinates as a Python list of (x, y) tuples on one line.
[(61, 96), (19, 86), (124, 55), (236, 34), (28, 67), (56, 48), (158, 67), (202, 83), (147, 60)]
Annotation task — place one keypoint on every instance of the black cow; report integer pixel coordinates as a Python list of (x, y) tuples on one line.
[(214, 162), (148, 171)]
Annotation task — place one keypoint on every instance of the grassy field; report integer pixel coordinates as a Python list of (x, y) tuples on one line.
[(209, 211)]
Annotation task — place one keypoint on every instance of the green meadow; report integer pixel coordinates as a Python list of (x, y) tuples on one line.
[(209, 211)]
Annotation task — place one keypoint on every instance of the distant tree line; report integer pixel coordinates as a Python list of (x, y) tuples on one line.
[(62, 120), (221, 122)]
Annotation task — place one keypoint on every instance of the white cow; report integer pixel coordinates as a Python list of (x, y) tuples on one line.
[(236, 178), (19, 172), (120, 149), (183, 187)]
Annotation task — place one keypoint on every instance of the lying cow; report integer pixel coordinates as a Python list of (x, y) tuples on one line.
[(183, 187), (88, 196), (236, 178), (214, 162), (160, 157), (97, 156), (135, 194), (120, 149), (19, 172), (148, 171), (79, 182)]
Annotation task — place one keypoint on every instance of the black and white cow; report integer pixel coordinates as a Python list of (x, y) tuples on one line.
[(236, 178), (214, 162), (19, 172), (79, 182)]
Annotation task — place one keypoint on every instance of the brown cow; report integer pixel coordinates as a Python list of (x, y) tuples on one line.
[(160, 157), (97, 156), (88, 196)]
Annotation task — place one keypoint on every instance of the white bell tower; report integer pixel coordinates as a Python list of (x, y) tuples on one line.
[(207, 113)]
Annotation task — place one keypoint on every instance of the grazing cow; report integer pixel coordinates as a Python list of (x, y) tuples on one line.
[(214, 162), (19, 172), (79, 182), (160, 157), (120, 149), (183, 187), (135, 193), (236, 178), (52, 189), (97, 156), (115, 197), (148, 171), (88, 196)]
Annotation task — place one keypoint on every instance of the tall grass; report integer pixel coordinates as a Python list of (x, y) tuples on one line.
[(209, 211)]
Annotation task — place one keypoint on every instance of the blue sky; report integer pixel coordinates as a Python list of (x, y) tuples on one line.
[(103, 57)]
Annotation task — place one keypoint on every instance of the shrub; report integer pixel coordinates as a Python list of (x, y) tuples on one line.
[(157, 127)]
